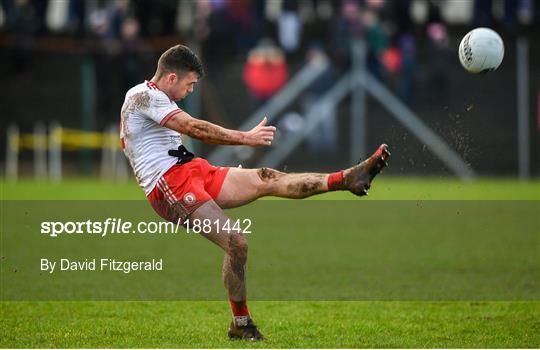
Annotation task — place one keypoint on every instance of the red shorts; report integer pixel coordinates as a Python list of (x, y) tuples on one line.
[(185, 187)]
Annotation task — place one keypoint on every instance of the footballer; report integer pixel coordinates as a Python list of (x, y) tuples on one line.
[(183, 187)]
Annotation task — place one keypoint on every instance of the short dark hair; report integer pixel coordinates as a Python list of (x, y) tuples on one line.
[(181, 60)]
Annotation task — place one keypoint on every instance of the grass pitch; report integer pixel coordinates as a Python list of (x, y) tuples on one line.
[(384, 188), (286, 324), (289, 324)]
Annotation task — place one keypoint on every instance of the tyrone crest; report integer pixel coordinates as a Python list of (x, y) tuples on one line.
[(189, 198)]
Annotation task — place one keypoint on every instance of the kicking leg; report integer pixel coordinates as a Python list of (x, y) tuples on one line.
[(234, 244), (242, 186)]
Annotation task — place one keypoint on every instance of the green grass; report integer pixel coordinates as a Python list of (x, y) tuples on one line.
[(384, 188), (287, 324)]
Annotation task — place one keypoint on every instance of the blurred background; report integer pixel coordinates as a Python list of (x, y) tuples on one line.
[(337, 77)]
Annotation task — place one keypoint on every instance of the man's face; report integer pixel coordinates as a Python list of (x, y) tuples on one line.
[(183, 85)]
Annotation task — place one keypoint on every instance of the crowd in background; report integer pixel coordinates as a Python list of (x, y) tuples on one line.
[(264, 32), (255, 29), (225, 27), (265, 41)]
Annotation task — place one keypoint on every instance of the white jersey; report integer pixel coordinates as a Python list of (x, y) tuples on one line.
[(145, 140)]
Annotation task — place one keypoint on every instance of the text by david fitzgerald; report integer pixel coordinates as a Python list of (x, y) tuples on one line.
[(104, 264)]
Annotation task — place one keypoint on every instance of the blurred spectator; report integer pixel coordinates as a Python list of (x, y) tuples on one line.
[(260, 19), (439, 54), (130, 57), (101, 34), (377, 43), (215, 33), (375, 5), (355, 23), (41, 10), (323, 139), (434, 10), (168, 16), (104, 51), (201, 29), (518, 12), (391, 60), (483, 14), (156, 17), (242, 22), (265, 71), (289, 26), (525, 11), (144, 13), (512, 13), (397, 13), (406, 83), (21, 22), (118, 14), (347, 27), (77, 17)]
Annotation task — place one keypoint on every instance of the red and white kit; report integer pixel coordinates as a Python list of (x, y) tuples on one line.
[(174, 190)]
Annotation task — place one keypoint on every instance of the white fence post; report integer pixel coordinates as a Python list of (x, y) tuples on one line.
[(12, 152), (55, 152), (40, 151)]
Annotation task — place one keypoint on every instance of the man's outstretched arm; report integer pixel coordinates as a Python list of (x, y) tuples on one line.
[(261, 135)]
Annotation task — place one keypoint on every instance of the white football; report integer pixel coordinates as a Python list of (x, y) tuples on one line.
[(481, 50)]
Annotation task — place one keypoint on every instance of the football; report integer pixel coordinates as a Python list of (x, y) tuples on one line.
[(481, 50)]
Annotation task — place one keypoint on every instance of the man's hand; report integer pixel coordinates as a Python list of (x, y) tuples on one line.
[(261, 135)]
